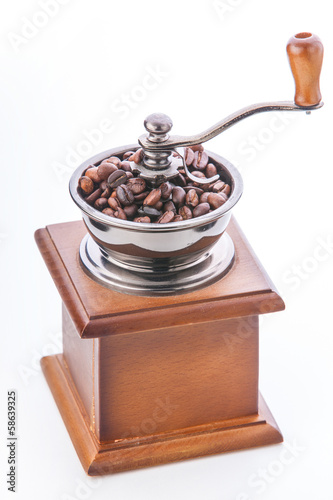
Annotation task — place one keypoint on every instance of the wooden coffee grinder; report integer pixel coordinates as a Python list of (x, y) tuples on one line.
[(160, 321)]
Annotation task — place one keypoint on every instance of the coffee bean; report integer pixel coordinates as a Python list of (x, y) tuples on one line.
[(185, 213), (216, 200), (127, 154), (210, 170), (125, 195), (226, 190), (120, 214), (180, 180), (108, 211), (137, 156), (204, 197), (166, 217), (198, 190), (86, 184), (150, 211), (177, 218), (93, 196), (200, 160), (106, 193), (192, 199), (101, 203), (140, 197), (169, 207), (158, 205), (153, 197), (113, 203), (201, 209), (129, 175), (114, 159), (92, 173), (117, 178), (178, 196), (189, 156), (130, 211), (125, 165), (105, 169), (198, 173), (197, 147), (137, 185), (142, 219), (218, 186), (166, 190)]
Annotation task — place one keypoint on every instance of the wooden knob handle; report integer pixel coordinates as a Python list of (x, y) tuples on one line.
[(305, 52)]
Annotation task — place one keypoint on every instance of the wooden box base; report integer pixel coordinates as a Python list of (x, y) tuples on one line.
[(125, 356), (98, 459)]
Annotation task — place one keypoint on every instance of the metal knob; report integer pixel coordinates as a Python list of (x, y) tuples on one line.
[(158, 125)]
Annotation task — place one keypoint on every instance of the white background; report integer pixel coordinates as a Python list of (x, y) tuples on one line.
[(59, 84)]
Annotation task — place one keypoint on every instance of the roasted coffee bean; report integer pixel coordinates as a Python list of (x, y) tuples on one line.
[(108, 211), (127, 154), (218, 186), (113, 203), (201, 209), (137, 185), (198, 173), (140, 197), (210, 170), (137, 156), (192, 199), (189, 156), (185, 213), (130, 211), (114, 159), (150, 211), (178, 196), (125, 165), (226, 190), (197, 147), (198, 190), (105, 169), (101, 203), (204, 197), (117, 178), (166, 190), (169, 206), (106, 193), (200, 160), (92, 173), (93, 196), (129, 175), (120, 214), (86, 184), (180, 180), (153, 197), (158, 205), (216, 200), (177, 218), (166, 217), (142, 219), (125, 195)]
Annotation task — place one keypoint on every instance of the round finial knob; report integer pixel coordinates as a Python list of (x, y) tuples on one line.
[(158, 125)]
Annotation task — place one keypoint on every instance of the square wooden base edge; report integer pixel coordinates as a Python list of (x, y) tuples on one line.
[(99, 459)]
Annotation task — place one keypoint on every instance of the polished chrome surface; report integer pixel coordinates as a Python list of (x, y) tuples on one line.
[(177, 245), (151, 277), (176, 141)]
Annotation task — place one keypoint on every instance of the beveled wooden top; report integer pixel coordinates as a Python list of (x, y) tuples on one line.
[(98, 311)]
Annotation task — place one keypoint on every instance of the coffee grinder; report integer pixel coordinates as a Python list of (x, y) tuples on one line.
[(160, 321)]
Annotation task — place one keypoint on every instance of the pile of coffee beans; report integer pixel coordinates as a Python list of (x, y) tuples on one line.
[(112, 188)]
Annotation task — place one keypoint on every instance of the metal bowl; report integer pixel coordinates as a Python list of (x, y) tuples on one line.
[(157, 259)]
